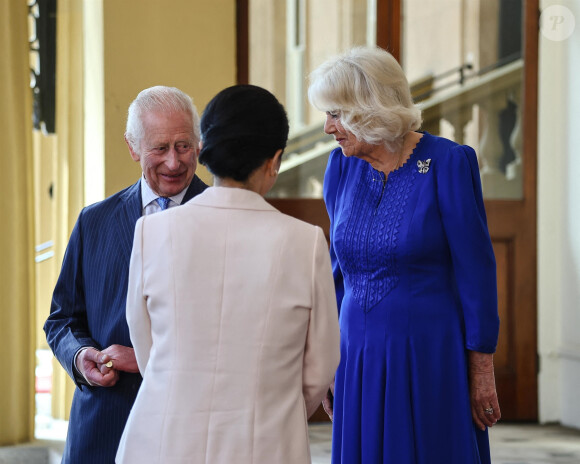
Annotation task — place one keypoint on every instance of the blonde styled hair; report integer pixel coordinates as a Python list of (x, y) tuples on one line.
[(367, 89)]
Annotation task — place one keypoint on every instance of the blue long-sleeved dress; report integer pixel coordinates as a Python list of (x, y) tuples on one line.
[(416, 285)]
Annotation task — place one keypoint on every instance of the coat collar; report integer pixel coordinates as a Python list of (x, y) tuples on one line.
[(131, 197), (232, 198)]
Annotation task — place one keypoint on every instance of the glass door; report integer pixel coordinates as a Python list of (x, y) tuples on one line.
[(287, 40)]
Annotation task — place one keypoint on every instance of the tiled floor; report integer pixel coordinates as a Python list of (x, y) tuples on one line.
[(534, 444), (510, 444)]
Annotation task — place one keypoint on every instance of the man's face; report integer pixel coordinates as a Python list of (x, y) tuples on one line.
[(168, 152)]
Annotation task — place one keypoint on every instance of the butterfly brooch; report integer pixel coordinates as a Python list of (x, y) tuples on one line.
[(424, 166)]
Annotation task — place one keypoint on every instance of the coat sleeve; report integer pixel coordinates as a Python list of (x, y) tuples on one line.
[(464, 220), (330, 193), (66, 327), (138, 318), (322, 351)]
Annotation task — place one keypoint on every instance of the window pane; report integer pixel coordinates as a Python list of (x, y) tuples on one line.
[(464, 63), (287, 41)]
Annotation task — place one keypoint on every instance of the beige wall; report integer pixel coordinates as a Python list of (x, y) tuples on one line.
[(189, 44), (267, 54)]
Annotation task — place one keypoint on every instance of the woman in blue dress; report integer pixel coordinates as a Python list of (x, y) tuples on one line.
[(414, 271)]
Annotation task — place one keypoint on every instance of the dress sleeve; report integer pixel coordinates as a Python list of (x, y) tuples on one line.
[(137, 314), (464, 220), (330, 193), (322, 350)]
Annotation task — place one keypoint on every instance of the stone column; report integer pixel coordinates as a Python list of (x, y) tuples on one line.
[(17, 231)]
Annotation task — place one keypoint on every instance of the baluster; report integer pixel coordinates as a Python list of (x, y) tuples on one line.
[(514, 171), (459, 120), (431, 125), (493, 180), (313, 188)]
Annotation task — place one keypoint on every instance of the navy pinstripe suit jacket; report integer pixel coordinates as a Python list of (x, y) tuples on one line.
[(88, 309)]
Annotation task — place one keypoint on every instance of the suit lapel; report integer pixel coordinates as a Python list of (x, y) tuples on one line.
[(131, 208), (128, 212)]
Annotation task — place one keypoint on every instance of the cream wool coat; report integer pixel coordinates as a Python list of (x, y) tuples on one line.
[(232, 314)]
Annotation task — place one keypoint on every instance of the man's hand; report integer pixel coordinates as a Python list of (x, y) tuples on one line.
[(123, 358), (91, 364), (102, 367)]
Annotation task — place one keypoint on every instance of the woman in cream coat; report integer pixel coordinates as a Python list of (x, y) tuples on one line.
[(231, 307)]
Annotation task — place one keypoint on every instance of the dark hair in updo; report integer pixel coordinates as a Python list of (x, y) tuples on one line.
[(241, 127)]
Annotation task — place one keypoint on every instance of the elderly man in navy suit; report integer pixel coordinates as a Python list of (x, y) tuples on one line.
[(87, 329)]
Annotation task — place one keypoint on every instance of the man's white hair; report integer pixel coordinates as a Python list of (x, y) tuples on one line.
[(153, 99)]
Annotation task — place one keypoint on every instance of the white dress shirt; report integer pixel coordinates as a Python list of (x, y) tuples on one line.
[(149, 199)]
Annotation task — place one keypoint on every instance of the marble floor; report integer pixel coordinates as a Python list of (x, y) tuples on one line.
[(510, 444)]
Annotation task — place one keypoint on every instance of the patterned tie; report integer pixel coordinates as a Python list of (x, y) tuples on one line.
[(163, 202)]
